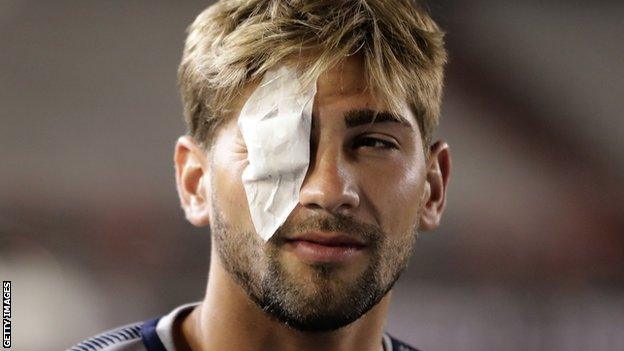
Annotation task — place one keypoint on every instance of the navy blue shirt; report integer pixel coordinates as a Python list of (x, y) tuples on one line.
[(157, 335)]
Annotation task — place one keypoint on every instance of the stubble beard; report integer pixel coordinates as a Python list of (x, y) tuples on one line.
[(318, 300)]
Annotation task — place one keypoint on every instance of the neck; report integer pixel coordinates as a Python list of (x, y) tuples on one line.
[(228, 319)]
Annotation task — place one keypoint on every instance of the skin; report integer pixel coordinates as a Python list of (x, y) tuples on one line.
[(376, 174)]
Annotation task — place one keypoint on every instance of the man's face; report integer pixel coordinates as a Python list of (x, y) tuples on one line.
[(363, 193)]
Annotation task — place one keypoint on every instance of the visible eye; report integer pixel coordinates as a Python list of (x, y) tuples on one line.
[(376, 143)]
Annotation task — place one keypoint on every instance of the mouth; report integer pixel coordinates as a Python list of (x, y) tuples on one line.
[(317, 247)]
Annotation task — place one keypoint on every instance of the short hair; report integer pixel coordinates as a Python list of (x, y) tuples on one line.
[(234, 42)]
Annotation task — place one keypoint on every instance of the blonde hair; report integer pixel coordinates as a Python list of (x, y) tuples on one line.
[(234, 42)]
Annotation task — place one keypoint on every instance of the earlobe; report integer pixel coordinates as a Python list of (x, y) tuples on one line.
[(436, 183), (192, 172)]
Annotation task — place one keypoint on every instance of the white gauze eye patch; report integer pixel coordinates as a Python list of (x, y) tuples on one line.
[(275, 124)]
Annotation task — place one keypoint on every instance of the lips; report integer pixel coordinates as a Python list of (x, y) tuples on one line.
[(325, 247), (328, 239)]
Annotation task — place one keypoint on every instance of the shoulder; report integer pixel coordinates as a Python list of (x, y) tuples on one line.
[(126, 338), (398, 345), (152, 335)]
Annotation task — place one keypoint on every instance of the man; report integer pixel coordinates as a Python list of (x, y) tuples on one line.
[(309, 157)]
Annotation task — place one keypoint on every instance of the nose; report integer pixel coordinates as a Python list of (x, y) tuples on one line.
[(329, 184)]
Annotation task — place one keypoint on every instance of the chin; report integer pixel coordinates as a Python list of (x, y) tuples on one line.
[(319, 314), (320, 297)]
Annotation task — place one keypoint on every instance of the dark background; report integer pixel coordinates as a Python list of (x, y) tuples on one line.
[(530, 255)]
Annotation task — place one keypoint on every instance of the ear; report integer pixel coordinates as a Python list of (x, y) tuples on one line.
[(436, 183), (193, 180)]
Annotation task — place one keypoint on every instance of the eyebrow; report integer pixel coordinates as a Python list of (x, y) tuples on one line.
[(356, 118)]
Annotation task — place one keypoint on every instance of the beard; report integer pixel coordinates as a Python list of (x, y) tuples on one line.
[(311, 297)]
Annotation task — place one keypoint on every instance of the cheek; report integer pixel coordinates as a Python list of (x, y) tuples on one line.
[(395, 190), (230, 197)]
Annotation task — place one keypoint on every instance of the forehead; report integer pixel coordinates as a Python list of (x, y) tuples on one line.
[(346, 78), (341, 88), (345, 86)]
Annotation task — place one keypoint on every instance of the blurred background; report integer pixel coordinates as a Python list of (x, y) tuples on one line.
[(530, 255)]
